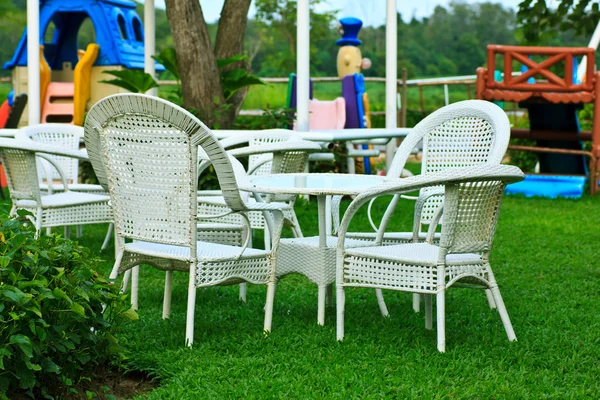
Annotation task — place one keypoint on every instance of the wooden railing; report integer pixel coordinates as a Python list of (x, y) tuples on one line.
[(553, 82)]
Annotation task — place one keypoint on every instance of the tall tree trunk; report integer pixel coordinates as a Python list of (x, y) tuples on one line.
[(200, 78), (230, 42)]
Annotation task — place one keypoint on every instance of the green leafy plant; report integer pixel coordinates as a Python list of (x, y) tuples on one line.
[(58, 317), (272, 118), (525, 160), (168, 58), (235, 79), (136, 81)]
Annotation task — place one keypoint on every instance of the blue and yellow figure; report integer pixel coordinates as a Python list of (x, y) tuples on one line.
[(349, 65)]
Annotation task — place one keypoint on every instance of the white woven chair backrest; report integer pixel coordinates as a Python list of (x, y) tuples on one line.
[(64, 136), (458, 135), (21, 174), (289, 162), (145, 150), (470, 217)]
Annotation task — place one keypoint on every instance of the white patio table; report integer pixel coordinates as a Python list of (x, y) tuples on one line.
[(322, 186), (319, 185)]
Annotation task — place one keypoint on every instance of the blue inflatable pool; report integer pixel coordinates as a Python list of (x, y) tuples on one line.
[(549, 186)]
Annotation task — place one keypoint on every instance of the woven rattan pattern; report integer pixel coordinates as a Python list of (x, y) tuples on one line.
[(64, 138), (21, 174), (146, 169), (148, 155), (470, 213)]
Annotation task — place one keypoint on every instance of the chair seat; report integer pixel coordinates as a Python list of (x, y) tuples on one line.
[(64, 200), (391, 237), (204, 250), (413, 253), (332, 241)]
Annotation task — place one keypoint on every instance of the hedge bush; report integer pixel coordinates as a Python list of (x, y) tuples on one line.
[(58, 316)]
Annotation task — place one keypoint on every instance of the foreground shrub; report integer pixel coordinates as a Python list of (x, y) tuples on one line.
[(58, 317)]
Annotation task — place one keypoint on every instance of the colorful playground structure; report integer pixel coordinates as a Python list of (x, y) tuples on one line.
[(351, 110), (70, 77), (552, 103)]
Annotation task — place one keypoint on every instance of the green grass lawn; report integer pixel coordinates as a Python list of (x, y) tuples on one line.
[(545, 259)]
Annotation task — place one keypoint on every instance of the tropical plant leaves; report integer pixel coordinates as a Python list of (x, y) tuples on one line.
[(133, 80)]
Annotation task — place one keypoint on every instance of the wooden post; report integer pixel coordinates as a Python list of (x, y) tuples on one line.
[(480, 83), (595, 136), (469, 91)]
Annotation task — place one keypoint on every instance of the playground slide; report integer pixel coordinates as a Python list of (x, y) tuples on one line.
[(563, 175), (65, 102), (45, 76), (81, 82)]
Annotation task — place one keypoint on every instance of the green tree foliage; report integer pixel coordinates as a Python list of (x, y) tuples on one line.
[(542, 19)]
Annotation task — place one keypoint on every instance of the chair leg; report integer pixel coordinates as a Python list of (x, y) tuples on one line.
[(115, 271), (243, 289), (167, 298), (126, 279), (321, 304), (340, 301), (329, 295), (296, 230), (490, 298), (428, 311), (267, 238), (417, 302), (191, 306), (107, 237), (381, 303), (135, 278), (503, 314), (67, 232), (269, 306), (79, 230), (441, 320)]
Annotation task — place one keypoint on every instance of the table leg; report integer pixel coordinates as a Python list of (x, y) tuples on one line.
[(321, 201), (322, 221)]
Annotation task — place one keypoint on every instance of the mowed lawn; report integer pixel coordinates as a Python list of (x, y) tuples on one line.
[(545, 258)]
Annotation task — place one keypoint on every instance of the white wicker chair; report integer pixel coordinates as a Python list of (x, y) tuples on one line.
[(65, 136), (471, 205), (50, 210), (459, 135), (146, 149)]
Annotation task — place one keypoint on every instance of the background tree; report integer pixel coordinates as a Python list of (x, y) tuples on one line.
[(200, 75), (540, 19)]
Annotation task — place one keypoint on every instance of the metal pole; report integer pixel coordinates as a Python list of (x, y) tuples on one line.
[(391, 76), (150, 41), (446, 96), (302, 65), (404, 97), (33, 61)]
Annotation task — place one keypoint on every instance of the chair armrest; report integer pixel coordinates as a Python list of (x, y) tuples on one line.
[(37, 147), (58, 169), (482, 172), (321, 157), (250, 206), (279, 147)]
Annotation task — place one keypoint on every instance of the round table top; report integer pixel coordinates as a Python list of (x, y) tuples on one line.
[(313, 184)]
